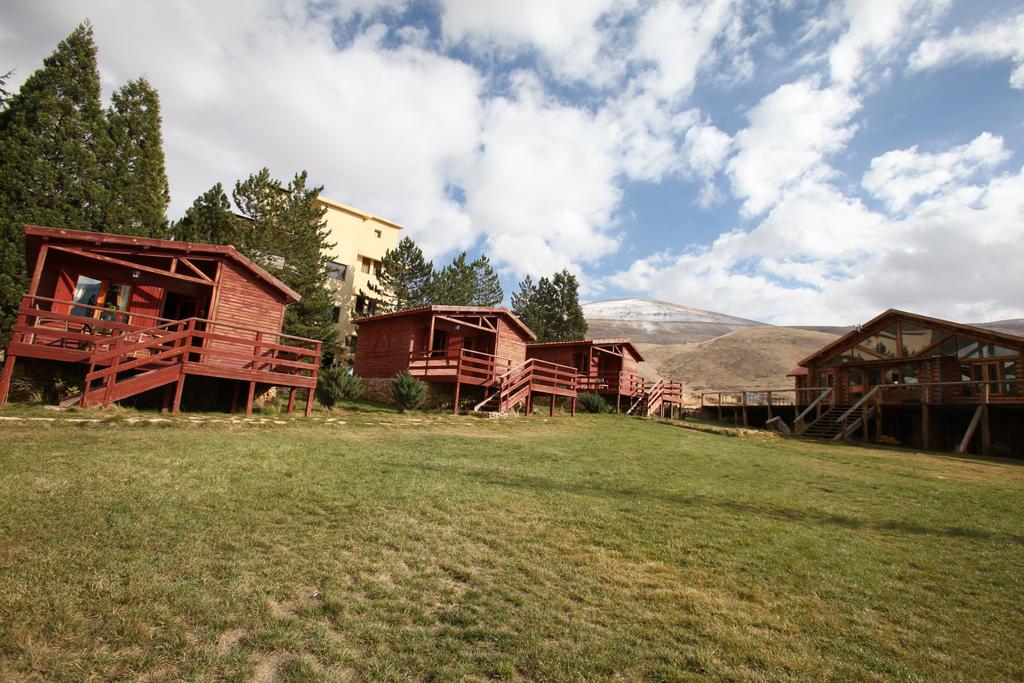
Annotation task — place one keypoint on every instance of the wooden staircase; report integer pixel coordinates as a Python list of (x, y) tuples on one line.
[(655, 396), (516, 387)]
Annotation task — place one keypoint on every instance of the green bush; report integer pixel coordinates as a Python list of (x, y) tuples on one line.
[(407, 391), (592, 403), (334, 385)]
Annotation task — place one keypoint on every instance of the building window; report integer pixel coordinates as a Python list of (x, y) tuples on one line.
[(368, 264), (336, 271), (365, 305), (376, 233), (336, 314)]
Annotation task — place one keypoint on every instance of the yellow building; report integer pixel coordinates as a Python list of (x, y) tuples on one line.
[(360, 241)]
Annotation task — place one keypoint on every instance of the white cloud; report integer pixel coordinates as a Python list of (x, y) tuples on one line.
[(903, 175), (791, 132), (820, 257), (993, 41), (678, 38), (874, 29), (565, 33), (545, 189)]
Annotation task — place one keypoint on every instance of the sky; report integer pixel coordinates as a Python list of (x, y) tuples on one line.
[(788, 161)]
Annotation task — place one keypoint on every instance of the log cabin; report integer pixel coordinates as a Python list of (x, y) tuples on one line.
[(925, 381), (609, 367), (142, 314), (457, 346)]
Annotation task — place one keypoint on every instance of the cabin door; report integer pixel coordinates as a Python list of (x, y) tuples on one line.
[(857, 384), (179, 307), (827, 380)]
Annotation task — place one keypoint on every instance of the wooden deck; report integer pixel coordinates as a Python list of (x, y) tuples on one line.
[(128, 354)]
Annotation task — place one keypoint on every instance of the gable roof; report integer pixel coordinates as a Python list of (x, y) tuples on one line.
[(36, 235), (593, 342), (456, 310), (883, 319)]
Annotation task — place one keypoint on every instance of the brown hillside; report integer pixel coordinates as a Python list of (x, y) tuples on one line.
[(758, 357)]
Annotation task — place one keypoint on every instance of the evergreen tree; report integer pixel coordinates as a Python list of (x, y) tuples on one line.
[(525, 306), (487, 288), (405, 278), (209, 219), (5, 94), (556, 307), (53, 144), (287, 235), (139, 193), (455, 285)]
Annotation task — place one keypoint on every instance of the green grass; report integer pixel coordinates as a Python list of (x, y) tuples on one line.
[(430, 547)]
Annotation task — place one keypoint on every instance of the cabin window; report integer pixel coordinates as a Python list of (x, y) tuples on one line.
[(336, 271), (916, 338), (971, 348), (883, 343), (111, 298), (1010, 375), (383, 341)]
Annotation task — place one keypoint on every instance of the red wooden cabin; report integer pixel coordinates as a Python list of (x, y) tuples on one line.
[(146, 313), (609, 367), (461, 345)]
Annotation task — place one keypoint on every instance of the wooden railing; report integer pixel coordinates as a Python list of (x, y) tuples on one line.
[(521, 381), (800, 421), (464, 365), (107, 342), (624, 383)]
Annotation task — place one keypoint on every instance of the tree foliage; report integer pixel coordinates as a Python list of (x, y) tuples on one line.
[(65, 162), (139, 193), (209, 220), (285, 232), (455, 284), (408, 392), (486, 287), (551, 308), (405, 279)]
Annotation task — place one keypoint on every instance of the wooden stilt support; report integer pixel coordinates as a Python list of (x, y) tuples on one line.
[(769, 405), (529, 403), (309, 403), (618, 402), (719, 407), (5, 378), (745, 409), (926, 428), (455, 406), (291, 400), (176, 406), (971, 428), (249, 397), (573, 407), (168, 397)]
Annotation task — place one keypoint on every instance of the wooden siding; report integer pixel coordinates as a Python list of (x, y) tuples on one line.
[(246, 301), (377, 359), (511, 342)]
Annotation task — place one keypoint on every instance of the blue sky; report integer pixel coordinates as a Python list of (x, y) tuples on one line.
[(793, 161)]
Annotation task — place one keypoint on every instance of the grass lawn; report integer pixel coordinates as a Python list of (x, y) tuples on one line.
[(427, 547)]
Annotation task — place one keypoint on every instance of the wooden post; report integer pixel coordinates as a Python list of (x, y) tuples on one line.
[(573, 414), (234, 395), (5, 378), (966, 441), (291, 401), (458, 384), (249, 397), (309, 403), (744, 409), (552, 411), (618, 402), (168, 397), (769, 405), (112, 377), (719, 406), (986, 427), (926, 428), (176, 407)]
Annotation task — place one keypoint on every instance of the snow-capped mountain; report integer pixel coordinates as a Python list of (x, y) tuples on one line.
[(649, 310), (658, 322)]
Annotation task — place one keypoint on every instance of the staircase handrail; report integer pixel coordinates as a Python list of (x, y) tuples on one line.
[(858, 404), (814, 404), (100, 357)]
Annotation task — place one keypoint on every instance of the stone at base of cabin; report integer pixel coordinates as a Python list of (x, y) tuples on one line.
[(378, 389)]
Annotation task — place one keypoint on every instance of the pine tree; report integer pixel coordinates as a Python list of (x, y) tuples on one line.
[(405, 278), (556, 306), (487, 288), (287, 235), (139, 193), (5, 94), (209, 220), (455, 285), (525, 306), (53, 144)]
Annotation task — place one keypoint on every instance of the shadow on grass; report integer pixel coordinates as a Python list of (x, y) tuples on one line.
[(763, 509)]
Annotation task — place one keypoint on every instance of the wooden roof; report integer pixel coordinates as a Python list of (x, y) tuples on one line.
[(884, 319), (454, 310), (37, 235), (594, 342)]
